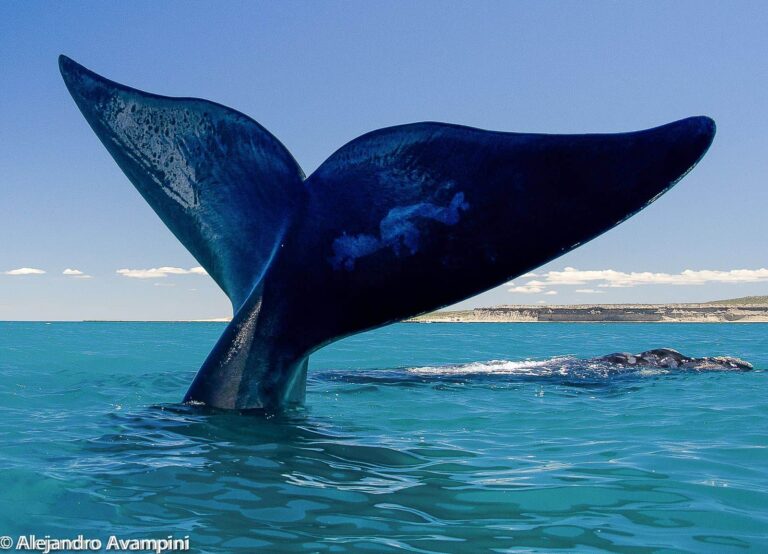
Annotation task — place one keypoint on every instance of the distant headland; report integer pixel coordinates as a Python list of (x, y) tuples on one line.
[(749, 309)]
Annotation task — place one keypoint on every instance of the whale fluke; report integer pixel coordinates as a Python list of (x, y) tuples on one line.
[(397, 222), (221, 182)]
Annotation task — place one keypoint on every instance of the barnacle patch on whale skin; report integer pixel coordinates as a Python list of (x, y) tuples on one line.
[(398, 230)]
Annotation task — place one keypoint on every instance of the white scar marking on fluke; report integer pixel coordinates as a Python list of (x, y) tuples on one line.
[(398, 230)]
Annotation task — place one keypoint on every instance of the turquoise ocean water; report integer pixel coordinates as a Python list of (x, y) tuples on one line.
[(411, 441)]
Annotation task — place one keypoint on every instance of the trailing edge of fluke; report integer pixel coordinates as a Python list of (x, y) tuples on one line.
[(397, 222)]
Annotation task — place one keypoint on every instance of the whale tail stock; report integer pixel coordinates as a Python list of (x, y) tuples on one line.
[(397, 222)]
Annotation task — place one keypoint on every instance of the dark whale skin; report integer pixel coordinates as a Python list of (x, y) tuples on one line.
[(397, 222), (667, 358)]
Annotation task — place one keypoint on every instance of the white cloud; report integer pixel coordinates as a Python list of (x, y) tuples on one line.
[(550, 292), (526, 289), (76, 273), (160, 272), (25, 271), (615, 279), (610, 278)]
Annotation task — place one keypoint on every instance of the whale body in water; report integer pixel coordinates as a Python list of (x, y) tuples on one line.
[(667, 358), (397, 222)]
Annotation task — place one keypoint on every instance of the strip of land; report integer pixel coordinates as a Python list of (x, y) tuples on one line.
[(742, 310)]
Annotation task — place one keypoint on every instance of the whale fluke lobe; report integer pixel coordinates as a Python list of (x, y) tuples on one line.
[(221, 182), (397, 222)]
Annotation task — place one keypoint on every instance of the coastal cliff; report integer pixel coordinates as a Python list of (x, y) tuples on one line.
[(714, 312)]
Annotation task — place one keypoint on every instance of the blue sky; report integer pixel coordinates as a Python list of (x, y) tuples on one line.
[(318, 74)]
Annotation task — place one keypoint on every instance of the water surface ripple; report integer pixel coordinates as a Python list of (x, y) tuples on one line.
[(422, 438)]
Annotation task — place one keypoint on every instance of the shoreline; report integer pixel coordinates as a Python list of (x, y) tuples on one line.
[(604, 313), (711, 312)]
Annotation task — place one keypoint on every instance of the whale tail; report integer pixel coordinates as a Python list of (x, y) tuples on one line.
[(397, 222)]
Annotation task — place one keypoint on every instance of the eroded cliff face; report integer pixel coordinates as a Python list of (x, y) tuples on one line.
[(691, 313)]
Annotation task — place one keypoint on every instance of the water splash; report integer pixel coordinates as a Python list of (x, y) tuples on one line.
[(557, 369)]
